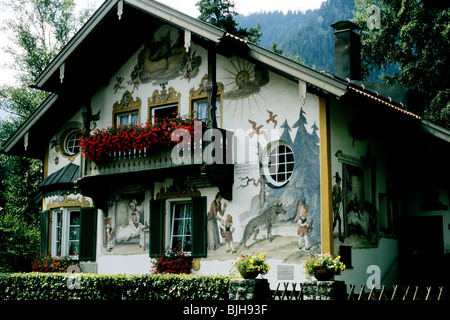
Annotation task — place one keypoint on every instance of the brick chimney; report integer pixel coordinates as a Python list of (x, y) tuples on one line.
[(347, 50)]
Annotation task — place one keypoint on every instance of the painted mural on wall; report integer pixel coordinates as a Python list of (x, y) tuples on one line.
[(283, 221), (126, 226), (246, 82), (164, 58), (355, 220)]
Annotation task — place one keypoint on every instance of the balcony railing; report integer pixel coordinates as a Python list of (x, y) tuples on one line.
[(157, 158)]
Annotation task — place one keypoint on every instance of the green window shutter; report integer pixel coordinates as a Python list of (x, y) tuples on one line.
[(88, 233), (156, 227), (44, 231), (199, 227)]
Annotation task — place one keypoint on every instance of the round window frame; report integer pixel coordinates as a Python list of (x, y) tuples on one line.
[(264, 161), (63, 145)]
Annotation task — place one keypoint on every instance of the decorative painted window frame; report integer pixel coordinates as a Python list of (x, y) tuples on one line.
[(169, 97), (126, 105), (196, 95)]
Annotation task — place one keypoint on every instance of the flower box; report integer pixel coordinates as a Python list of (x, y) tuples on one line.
[(128, 140)]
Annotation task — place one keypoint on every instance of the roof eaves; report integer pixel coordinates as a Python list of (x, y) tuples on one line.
[(28, 124), (436, 130), (163, 12), (78, 38), (298, 71), (179, 19), (64, 176), (386, 101)]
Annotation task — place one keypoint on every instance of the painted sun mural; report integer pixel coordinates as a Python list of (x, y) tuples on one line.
[(246, 80)]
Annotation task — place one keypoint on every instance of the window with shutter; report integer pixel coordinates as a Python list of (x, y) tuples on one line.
[(187, 219), (73, 232), (187, 228)]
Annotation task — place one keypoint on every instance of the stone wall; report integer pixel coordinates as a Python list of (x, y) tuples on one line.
[(249, 289), (324, 290), (259, 289)]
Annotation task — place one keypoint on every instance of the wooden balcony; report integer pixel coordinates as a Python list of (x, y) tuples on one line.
[(159, 158), (201, 162), (131, 161)]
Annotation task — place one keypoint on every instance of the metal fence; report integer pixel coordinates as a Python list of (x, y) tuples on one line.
[(400, 292), (294, 291)]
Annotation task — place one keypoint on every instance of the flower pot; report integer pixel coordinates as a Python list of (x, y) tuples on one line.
[(249, 275), (323, 275)]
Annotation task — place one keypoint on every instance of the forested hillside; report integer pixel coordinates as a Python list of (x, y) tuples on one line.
[(307, 34)]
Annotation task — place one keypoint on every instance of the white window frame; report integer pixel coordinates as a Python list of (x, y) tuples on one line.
[(204, 101), (129, 115), (170, 221), (64, 213), (270, 163), (69, 138), (160, 107)]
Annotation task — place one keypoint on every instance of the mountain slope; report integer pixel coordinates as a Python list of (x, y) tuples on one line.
[(305, 33)]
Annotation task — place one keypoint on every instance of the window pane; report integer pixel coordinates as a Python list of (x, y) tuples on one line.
[(123, 120), (165, 112), (280, 164), (202, 111), (71, 146), (135, 119), (181, 226), (201, 108), (74, 233)]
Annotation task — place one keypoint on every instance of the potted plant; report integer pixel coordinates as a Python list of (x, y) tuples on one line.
[(323, 266), (249, 267)]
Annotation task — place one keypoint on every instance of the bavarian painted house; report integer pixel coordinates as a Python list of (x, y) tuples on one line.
[(280, 159)]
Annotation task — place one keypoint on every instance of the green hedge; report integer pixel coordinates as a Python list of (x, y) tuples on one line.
[(55, 286)]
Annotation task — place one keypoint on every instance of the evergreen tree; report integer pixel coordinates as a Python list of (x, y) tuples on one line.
[(221, 13), (304, 184), (286, 136)]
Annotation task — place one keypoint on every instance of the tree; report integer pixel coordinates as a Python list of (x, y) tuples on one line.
[(274, 48), (221, 13), (415, 36), (39, 30)]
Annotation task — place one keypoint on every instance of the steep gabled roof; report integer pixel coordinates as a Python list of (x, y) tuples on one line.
[(111, 36), (107, 40)]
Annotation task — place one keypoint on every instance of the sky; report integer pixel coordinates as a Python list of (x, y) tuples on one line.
[(243, 7)]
